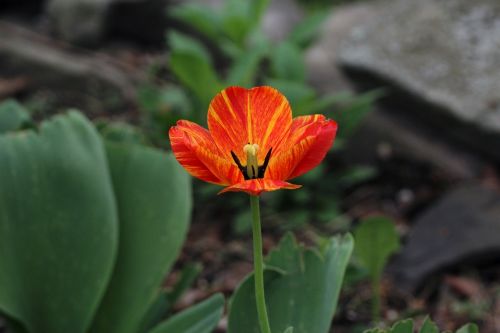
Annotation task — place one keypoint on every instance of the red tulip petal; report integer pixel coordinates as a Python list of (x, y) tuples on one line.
[(318, 150), (238, 116), (257, 186), (310, 139), (196, 151)]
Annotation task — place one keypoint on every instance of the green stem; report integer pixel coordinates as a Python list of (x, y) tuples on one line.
[(258, 266), (376, 301)]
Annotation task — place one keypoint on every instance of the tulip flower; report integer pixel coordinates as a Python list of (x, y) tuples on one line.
[(252, 145)]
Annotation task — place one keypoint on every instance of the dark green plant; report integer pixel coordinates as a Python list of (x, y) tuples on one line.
[(89, 230), (239, 53), (376, 240), (302, 288)]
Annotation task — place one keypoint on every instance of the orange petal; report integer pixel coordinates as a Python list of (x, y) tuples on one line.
[(196, 151), (238, 116), (257, 186), (310, 139)]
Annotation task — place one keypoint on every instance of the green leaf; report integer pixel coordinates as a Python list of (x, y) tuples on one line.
[(403, 326), (302, 288), (376, 240), (201, 318), (197, 75), (289, 330), (122, 132), (12, 116), (167, 299), (429, 326), (153, 194), (202, 18), (244, 70), (58, 225), (306, 31), (236, 27), (156, 312), (287, 62), (182, 43), (468, 328)]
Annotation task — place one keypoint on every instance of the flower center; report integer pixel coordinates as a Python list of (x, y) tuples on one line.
[(252, 170), (252, 163)]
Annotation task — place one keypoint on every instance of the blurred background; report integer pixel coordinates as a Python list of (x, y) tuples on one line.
[(414, 86)]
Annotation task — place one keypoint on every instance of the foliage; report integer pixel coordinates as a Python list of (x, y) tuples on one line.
[(376, 240), (231, 50), (12, 116), (302, 288), (88, 230), (406, 326)]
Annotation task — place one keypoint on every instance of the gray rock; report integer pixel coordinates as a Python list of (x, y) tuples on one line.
[(442, 61), (382, 135), (463, 227), (80, 22), (91, 81), (90, 22), (321, 58)]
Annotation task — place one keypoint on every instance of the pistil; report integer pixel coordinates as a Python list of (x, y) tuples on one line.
[(252, 162)]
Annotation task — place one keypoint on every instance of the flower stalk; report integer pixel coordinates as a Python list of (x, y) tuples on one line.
[(259, 266)]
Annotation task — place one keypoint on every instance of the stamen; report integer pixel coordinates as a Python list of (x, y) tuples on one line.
[(252, 170), (263, 167)]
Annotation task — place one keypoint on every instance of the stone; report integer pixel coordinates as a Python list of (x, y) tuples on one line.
[(322, 56), (91, 22), (381, 135), (462, 228), (81, 22), (93, 82), (440, 61)]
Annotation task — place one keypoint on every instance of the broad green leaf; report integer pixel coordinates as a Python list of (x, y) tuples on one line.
[(287, 62), (376, 240), (196, 74), (468, 328), (12, 116), (122, 132), (403, 326), (153, 195), (182, 43), (202, 18), (156, 312), (58, 225), (429, 327), (201, 318), (301, 289), (244, 70), (306, 31)]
